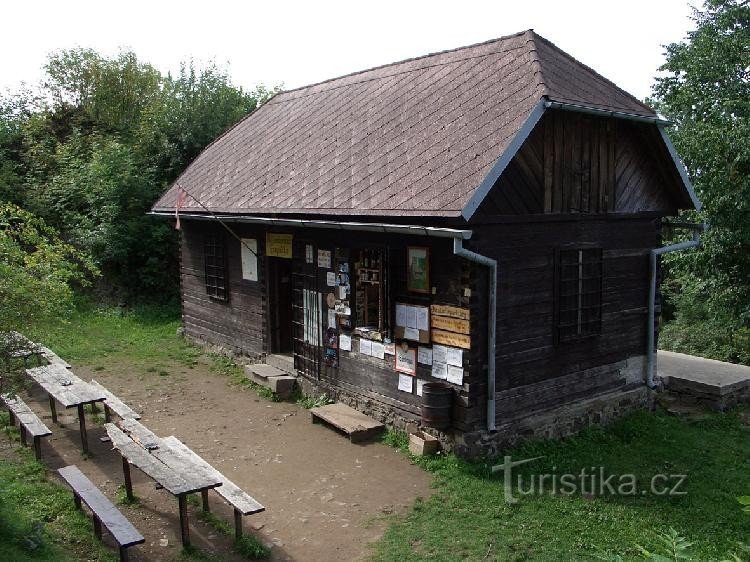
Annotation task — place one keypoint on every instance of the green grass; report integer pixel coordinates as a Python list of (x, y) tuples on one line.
[(38, 520), (467, 517), (144, 336)]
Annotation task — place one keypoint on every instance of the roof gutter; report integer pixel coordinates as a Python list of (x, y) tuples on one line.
[(491, 265), (650, 327), (606, 113), (416, 230)]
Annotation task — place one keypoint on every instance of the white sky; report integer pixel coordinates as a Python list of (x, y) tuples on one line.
[(298, 43)]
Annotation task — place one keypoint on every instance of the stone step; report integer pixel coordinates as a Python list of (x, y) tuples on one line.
[(278, 381), (356, 425), (282, 362)]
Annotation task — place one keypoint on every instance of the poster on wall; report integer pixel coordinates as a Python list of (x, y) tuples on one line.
[(418, 269), (249, 259), (406, 360), (278, 245), (405, 383), (324, 259)]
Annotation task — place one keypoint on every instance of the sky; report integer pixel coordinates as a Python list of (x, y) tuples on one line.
[(297, 43)]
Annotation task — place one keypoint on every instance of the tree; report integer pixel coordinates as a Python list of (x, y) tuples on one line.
[(705, 90), (38, 273)]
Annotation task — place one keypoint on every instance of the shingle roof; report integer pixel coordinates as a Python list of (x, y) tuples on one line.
[(415, 137)]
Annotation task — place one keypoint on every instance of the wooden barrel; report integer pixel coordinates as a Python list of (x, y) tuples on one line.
[(437, 401)]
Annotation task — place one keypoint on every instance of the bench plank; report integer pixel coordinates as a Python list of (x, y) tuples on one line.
[(53, 358), (26, 417), (228, 490), (104, 510), (115, 404)]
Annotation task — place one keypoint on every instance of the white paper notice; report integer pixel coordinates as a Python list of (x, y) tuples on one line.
[(411, 317), (420, 384), (309, 253), (331, 278), (250, 259), (342, 291), (424, 356), (378, 350), (331, 318), (324, 259), (439, 354), (411, 334), (401, 315), (390, 349), (345, 342), (365, 347), (423, 318), (405, 383), (439, 370), (454, 356), (455, 375)]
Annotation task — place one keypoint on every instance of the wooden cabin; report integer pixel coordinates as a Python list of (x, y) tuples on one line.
[(480, 217)]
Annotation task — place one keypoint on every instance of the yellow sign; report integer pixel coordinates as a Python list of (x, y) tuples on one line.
[(453, 340), (452, 311), (278, 245), (451, 324)]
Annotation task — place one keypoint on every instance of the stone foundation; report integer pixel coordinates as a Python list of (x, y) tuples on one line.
[(553, 424)]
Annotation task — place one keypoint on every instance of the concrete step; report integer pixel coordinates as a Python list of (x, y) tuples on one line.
[(278, 381), (356, 425), (282, 362)]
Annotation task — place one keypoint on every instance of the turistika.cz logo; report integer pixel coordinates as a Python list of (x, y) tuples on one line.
[(590, 481)]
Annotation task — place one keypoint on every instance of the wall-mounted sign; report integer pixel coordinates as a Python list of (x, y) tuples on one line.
[(418, 269), (324, 259), (451, 339), (451, 324), (249, 248), (406, 360), (278, 245), (451, 311)]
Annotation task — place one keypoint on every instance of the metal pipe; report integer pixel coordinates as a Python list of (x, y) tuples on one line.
[(416, 230), (491, 265), (606, 112), (655, 252)]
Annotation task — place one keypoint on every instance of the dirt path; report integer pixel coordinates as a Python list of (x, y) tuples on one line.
[(326, 499)]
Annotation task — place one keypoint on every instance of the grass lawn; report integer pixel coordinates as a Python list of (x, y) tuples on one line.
[(467, 517), (38, 520)]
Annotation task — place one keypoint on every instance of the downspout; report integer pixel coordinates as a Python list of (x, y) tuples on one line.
[(491, 265), (694, 243)]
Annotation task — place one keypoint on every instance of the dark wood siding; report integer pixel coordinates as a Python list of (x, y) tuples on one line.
[(581, 164), (237, 324), (527, 354)]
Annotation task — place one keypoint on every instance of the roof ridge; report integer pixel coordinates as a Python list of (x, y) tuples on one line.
[(588, 68), (411, 59), (535, 63)]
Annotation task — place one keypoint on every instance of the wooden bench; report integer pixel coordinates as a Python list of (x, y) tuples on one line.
[(103, 511), (241, 502), (113, 404), (28, 422)]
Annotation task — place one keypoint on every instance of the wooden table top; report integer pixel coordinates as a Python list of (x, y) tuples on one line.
[(64, 386), (176, 471)]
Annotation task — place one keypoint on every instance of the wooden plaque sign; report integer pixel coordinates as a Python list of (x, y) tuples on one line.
[(278, 245), (451, 324), (450, 311), (449, 338)]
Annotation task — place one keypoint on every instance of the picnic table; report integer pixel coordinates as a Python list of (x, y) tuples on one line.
[(169, 466), (64, 387)]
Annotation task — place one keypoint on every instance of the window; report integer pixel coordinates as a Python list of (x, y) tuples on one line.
[(579, 293), (214, 256)]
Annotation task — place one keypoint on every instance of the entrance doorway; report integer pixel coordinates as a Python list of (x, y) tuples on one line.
[(280, 305)]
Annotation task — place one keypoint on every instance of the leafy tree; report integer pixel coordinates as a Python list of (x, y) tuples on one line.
[(38, 272), (98, 145), (705, 90)]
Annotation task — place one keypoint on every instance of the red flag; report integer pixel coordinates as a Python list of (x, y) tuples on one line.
[(181, 194)]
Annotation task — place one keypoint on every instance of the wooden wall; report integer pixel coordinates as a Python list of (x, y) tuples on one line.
[(238, 324), (549, 373), (581, 164)]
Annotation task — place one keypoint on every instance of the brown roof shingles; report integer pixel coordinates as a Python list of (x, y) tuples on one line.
[(410, 138)]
